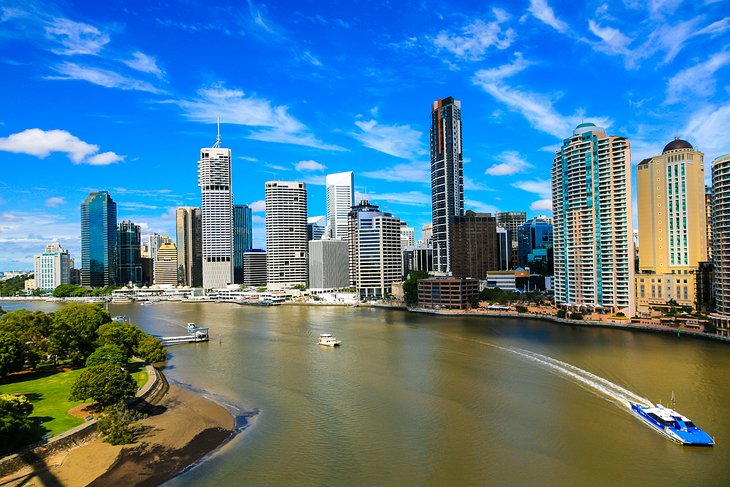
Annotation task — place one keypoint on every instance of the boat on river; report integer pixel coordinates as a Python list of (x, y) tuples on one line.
[(329, 340), (673, 425)]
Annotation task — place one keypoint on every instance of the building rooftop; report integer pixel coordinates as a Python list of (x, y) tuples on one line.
[(676, 144)]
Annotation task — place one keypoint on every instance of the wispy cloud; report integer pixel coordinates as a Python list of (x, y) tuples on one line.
[(144, 63), (396, 140), (414, 172), (55, 201), (409, 198), (235, 107), (480, 207), (258, 206), (540, 187), (75, 37), (707, 128), (696, 81), (309, 165), (102, 77), (41, 143), (475, 39), (511, 162), (544, 13)]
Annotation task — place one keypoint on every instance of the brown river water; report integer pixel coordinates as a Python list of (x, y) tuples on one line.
[(413, 399)]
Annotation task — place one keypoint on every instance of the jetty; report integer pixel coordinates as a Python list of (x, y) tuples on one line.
[(195, 334)]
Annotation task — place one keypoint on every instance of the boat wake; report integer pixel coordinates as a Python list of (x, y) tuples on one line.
[(603, 387)]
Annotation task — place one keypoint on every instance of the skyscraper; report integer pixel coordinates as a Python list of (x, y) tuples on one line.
[(375, 250), (592, 232), (242, 239), (475, 245), (328, 264), (254, 267), (128, 253), (316, 227), (154, 241), (286, 233), (671, 206), (189, 246), (340, 189), (166, 263), (511, 220), (720, 236), (98, 240), (447, 178), (214, 179), (52, 268), (534, 239)]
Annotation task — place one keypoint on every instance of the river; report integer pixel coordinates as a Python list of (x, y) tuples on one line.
[(413, 399)]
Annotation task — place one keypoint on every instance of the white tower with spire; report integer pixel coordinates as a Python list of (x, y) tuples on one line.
[(214, 179)]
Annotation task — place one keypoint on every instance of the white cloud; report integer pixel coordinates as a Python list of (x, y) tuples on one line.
[(55, 201), (414, 172), (396, 140), (258, 206), (477, 37), (102, 77), (511, 162), (542, 205), (76, 37), (144, 63), (41, 143), (540, 187), (410, 198), (234, 107), (707, 128), (24, 233), (309, 165), (543, 12), (613, 40), (697, 80), (479, 207)]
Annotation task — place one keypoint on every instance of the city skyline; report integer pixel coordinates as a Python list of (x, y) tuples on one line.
[(93, 102)]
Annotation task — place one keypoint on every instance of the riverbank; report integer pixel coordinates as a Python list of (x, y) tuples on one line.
[(182, 427), (628, 325)]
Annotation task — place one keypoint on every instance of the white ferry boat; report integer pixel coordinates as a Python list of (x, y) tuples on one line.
[(673, 425), (329, 340)]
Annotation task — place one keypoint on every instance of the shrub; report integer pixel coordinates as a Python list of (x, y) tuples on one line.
[(576, 316), (117, 424), (561, 313), (14, 421), (521, 309)]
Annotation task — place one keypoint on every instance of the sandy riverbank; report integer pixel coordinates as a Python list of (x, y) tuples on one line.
[(183, 429)]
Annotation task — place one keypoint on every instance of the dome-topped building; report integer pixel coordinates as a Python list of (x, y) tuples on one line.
[(677, 144)]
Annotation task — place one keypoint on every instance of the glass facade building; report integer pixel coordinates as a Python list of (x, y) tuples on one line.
[(129, 241), (534, 238), (242, 239), (98, 240)]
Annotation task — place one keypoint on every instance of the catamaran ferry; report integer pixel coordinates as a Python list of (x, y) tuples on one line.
[(673, 425), (329, 340)]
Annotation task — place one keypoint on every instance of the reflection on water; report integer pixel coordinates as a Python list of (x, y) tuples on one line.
[(429, 400)]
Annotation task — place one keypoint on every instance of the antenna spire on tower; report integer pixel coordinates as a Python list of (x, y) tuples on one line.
[(218, 137)]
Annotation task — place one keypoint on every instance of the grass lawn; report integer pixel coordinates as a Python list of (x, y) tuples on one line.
[(48, 390)]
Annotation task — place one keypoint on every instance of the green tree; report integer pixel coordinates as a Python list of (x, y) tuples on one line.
[(107, 354), (74, 331), (67, 290), (14, 419), (105, 384), (11, 354), (10, 287), (117, 424), (150, 349), (32, 329), (410, 287), (123, 335)]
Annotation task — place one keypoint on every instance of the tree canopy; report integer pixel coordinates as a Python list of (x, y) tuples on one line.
[(105, 384), (75, 330), (107, 354), (410, 287), (14, 419), (11, 354)]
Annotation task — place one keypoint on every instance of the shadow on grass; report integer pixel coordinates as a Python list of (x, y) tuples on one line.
[(40, 373)]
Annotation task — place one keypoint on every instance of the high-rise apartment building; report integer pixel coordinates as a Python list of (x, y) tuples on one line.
[(340, 193), (328, 264), (374, 250), (475, 245), (242, 239), (671, 206), (189, 238), (708, 220), (286, 234), (512, 220), (98, 240), (214, 179), (447, 178), (592, 232), (721, 243), (407, 235), (166, 263), (129, 239), (52, 268), (153, 243)]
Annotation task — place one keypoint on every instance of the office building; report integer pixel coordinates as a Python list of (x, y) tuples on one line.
[(427, 234), (505, 249), (475, 245), (316, 226), (129, 239), (154, 242), (592, 231), (511, 221), (721, 243), (254, 267), (52, 268), (374, 250), (340, 193), (242, 239), (417, 258), (214, 179), (447, 178), (98, 240), (447, 292), (407, 236), (328, 264), (534, 245), (671, 204), (166, 263), (189, 238), (286, 234)]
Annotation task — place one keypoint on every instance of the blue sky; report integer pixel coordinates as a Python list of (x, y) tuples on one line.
[(122, 95)]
